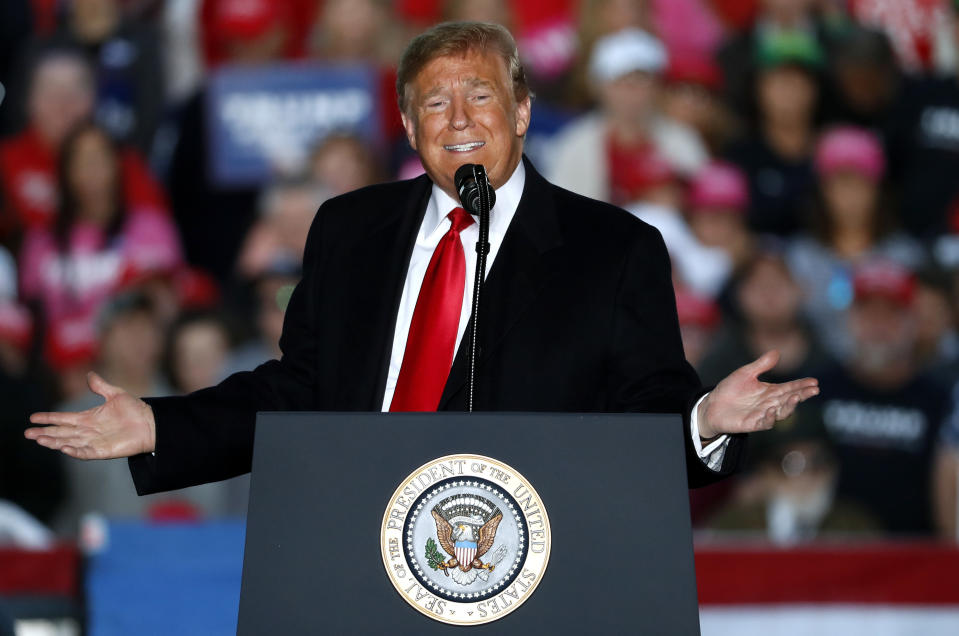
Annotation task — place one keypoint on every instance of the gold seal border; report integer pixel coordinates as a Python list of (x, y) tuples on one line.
[(384, 546)]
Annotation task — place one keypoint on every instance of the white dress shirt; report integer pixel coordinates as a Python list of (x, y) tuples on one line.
[(435, 225)]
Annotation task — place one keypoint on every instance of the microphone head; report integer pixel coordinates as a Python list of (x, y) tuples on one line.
[(474, 189)]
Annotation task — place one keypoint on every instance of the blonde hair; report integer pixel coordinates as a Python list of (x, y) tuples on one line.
[(459, 38)]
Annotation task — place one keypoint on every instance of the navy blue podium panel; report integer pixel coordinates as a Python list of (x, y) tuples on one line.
[(614, 486)]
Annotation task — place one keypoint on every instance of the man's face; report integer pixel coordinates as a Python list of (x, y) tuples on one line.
[(884, 332), (462, 110)]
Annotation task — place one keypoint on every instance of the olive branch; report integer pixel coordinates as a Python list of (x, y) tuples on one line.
[(433, 556)]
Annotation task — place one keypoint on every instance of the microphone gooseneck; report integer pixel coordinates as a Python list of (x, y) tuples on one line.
[(478, 197)]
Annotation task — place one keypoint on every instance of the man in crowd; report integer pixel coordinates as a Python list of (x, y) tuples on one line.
[(882, 416), (579, 308)]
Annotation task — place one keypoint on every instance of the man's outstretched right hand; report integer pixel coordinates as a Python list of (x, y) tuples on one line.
[(120, 427)]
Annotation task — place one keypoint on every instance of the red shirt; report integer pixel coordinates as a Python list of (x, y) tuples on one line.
[(29, 183)]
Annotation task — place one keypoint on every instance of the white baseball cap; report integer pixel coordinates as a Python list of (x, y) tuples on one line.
[(626, 51)]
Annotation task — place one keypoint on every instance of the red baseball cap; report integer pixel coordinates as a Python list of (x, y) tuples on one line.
[(245, 19), (71, 341), (693, 68), (694, 309), (884, 279)]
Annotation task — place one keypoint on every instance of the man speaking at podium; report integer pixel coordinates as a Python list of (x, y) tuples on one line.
[(578, 313)]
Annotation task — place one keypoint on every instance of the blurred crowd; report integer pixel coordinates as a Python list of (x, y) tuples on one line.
[(799, 157)]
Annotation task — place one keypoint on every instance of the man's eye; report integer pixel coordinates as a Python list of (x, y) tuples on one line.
[(436, 104), (481, 98)]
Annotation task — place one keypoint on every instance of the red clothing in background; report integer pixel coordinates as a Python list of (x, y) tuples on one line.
[(28, 181)]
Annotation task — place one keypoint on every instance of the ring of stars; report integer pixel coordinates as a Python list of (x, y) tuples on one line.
[(506, 502)]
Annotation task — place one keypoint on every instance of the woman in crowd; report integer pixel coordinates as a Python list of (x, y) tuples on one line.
[(98, 237), (851, 224), (777, 154)]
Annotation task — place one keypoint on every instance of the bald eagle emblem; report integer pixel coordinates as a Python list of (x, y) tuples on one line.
[(466, 530)]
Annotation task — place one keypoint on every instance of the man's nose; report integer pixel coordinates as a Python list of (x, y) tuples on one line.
[(459, 114)]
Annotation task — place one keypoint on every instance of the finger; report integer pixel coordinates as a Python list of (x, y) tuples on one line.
[(56, 419), (794, 386), (57, 443), (803, 394), (101, 387), (763, 363), (768, 419), (58, 432), (786, 408)]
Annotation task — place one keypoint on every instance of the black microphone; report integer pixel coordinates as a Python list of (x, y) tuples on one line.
[(477, 196), (474, 189)]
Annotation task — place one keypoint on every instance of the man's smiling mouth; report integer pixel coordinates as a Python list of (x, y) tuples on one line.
[(472, 145)]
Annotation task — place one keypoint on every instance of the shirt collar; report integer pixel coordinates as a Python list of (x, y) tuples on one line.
[(507, 200)]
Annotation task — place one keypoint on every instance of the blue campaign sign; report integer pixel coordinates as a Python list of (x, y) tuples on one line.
[(266, 120)]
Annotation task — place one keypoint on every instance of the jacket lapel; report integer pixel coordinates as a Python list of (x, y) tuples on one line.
[(521, 268), (376, 288)]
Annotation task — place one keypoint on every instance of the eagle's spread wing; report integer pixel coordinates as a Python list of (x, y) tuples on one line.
[(487, 535), (444, 532)]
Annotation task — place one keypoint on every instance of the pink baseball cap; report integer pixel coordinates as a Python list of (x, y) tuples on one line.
[(850, 148), (719, 185)]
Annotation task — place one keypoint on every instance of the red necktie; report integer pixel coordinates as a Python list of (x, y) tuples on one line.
[(435, 325)]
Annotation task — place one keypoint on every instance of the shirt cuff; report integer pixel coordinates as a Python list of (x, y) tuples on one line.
[(715, 452)]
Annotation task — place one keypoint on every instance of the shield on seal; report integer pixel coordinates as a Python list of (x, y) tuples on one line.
[(465, 553)]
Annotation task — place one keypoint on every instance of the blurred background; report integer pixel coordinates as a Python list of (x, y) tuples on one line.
[(161, 162)]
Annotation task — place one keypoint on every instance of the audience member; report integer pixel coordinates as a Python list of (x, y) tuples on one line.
[(768, 303), (358, 31), (776, 18), (625, 69), (343, 162), (924, 148), (937, 342), (287, 209), (71, 269), (597, 19), (852, 224), (691, 97), (125, 58), (882, 415), (198, 347), (865, 79), (60, 96), (716, 208), (790, 493), (776, 154)]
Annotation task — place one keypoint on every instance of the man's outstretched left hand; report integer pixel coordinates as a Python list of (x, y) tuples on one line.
[(741, 403)]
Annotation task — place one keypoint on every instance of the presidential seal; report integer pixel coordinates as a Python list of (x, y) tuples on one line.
[(465, 539)]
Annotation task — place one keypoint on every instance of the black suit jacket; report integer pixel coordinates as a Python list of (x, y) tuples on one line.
[(578, 316)]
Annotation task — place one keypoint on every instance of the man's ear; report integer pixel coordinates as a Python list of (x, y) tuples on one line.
[(523, 111), (410, 127)]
